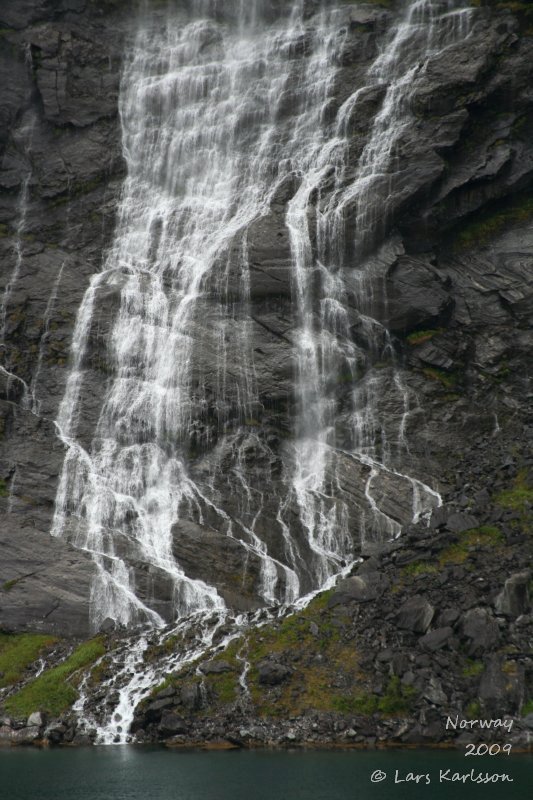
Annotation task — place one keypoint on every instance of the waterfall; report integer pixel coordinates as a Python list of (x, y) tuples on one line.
[(223, 113)]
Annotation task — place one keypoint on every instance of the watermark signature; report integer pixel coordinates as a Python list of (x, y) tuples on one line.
[(442, 776), (472, 776)]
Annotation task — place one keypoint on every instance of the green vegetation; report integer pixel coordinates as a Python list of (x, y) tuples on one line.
[(527, 708), (4, 491), (472, 668), (8, 585), (469, 541), (18, 651), (488, 225), (419, 568), (517, 497), (419, 337), (447, 379), (397, 699), (53, 691), (317, 645), (473, 709)]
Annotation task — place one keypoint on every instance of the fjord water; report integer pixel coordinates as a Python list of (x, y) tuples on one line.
[(219, 122), (130, 773)]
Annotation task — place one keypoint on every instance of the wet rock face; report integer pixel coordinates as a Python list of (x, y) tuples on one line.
[(452, 264), (59, 150)]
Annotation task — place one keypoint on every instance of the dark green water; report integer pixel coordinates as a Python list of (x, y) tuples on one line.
[(130, 773)]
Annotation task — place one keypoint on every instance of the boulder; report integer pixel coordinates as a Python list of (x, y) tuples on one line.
[(191, 696), (481, 631), (155, 709), (37, 718), (271, 673), (171, 724), (434, 692), (54, 732), (215, 667), (435, 640), (415, 615), (458, 522), (501, 688), (170, 691), (25, 735), (514, 598), (359, 589)]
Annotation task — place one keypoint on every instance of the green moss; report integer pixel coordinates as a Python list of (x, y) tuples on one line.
[(473, 668), (18, 651), (527, 708), (447, 379), (4, 230), (419, 568), (517, 497), (4, 491), (224, 685), (486, 536), (487, 226), (54, 691), (8, 585), (396, 700), (419, 337), (473, 709), (359, 703)]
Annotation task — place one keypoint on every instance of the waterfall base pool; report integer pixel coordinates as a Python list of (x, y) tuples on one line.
[(139, 773)]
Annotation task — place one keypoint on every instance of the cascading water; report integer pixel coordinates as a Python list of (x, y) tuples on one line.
[(219, 120)]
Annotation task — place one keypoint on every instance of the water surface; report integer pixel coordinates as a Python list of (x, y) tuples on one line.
[(135, 773)]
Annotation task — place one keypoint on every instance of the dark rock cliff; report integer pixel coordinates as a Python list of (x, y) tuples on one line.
[(456, 255), (60, 67)]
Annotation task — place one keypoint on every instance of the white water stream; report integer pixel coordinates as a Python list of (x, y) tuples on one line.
[(208, 143)]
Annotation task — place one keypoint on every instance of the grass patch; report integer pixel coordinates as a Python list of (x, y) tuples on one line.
[(489, 225), (472, 669), (18, 651), (397, 699), (471, 540), (224, 685), (419, 568), (517, 497), (53, 691)]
